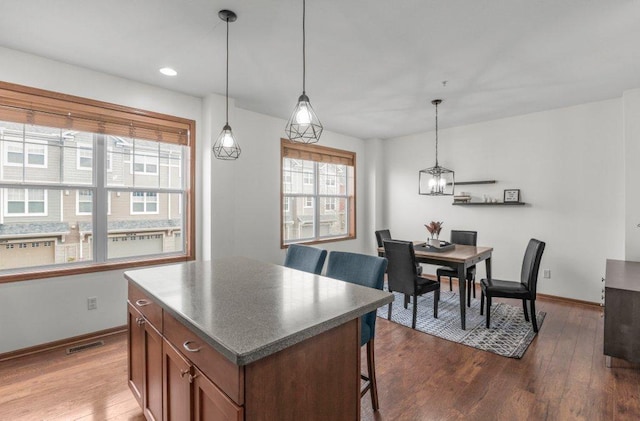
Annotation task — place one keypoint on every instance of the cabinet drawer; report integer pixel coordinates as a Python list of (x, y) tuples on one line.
[(145, 305), (225, 374)]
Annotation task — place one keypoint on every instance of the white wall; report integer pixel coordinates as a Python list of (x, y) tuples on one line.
[(45, 310), (631, 104), (568, 164)]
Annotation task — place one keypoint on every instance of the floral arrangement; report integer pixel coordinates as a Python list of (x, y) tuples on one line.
[(434, 228)]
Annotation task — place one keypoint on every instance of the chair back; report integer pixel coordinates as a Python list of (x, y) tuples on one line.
[(305, 258), (464, 238), (382, 235), (531, 265), (401, 272), (359, 269)]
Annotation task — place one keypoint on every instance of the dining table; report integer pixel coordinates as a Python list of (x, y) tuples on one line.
[(460, 258)]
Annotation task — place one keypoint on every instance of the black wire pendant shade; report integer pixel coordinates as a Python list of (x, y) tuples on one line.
[(437, 180), (226, 146), (303, 125)]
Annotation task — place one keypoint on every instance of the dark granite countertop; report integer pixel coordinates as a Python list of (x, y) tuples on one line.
[(248, 309)]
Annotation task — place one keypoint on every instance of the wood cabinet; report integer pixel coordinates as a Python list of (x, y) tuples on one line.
[(145, 364), (622, 311), (176, 376)]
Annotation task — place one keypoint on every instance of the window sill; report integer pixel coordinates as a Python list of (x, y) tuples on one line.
[(90, 268), (321, 241)]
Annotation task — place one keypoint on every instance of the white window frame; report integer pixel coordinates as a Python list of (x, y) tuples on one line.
[(26, 202), (145, 202), (307, 178), (84, 147), (78, 212), (330, 204), (26, 151), (145, 158)]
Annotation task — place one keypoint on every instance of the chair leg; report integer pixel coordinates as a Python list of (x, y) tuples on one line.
[(415, 311), (450, 281), (534, 322), (526, 313), (473, 286), (389, 313), (481, 302), (436, 298), (488, 311), (468, 292), (371, 367), (406, 300)]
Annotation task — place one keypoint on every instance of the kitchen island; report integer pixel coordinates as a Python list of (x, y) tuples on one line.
[(240, 339)]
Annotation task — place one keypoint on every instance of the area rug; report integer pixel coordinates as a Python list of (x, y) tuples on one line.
[(509, 335)]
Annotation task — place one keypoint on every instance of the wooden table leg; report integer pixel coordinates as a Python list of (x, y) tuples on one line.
[(487, 263), (462, 288)]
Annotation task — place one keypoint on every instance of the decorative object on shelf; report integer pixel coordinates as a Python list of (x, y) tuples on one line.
[(491, 202), (226, 146), (462, 197), (434, 229), (511, 195), (436, 181), (304, 125)]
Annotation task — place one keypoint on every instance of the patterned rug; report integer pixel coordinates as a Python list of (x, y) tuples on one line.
[(509, 335)]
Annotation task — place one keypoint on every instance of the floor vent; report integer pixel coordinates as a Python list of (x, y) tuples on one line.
[(84, 347)]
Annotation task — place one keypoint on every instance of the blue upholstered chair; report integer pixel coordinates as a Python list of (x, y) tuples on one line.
[(367, 271), (308, 259)]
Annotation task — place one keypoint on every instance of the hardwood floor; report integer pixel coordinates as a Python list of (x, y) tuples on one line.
[(420, 377)]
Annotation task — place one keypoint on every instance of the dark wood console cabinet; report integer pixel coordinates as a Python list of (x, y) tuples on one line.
[(622, 311)]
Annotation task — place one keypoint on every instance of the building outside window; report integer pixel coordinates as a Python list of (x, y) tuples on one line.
[(315, 209), (96, 196)]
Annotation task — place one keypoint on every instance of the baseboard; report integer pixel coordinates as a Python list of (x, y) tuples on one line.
[(62, 343), (568, 300), (545, 296)]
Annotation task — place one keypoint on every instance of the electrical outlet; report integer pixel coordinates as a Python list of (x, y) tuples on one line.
[(92, 303), (547, 273)]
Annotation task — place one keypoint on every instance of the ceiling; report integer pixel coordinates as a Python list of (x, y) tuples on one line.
[(373, 66)]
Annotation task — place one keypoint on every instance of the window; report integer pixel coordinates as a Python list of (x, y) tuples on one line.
[(315, 209), (330, 203), (144, 202), (85, 156), (84, 205), (23, 202), (145, 164), (23, 150), (77, 173)]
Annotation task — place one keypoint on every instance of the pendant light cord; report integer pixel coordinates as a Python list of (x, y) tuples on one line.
[(304, 58), (436, 134), (227, 87)]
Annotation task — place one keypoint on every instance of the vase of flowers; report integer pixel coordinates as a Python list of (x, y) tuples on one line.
[(434, 228)]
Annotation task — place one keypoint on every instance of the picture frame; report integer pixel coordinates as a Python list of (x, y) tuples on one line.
[(511, 195)]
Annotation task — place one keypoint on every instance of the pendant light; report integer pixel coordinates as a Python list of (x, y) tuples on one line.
[(226, 147), (304, 125), (436, 181)]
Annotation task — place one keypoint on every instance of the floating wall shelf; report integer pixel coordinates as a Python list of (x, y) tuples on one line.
[(466, 183), (488, 203)]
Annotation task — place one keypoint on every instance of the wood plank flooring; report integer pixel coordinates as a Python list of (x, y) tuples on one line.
[(420, 377)]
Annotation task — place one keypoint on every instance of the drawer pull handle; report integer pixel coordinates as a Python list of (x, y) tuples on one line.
[(192, 377), (188, 348), (184, 373), (142, 302), (140, 321)]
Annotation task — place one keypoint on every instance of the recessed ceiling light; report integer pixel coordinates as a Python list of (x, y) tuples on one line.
[(168, 71)]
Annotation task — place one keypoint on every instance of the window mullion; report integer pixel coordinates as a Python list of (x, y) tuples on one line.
[(100, 223), (316, 199)]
